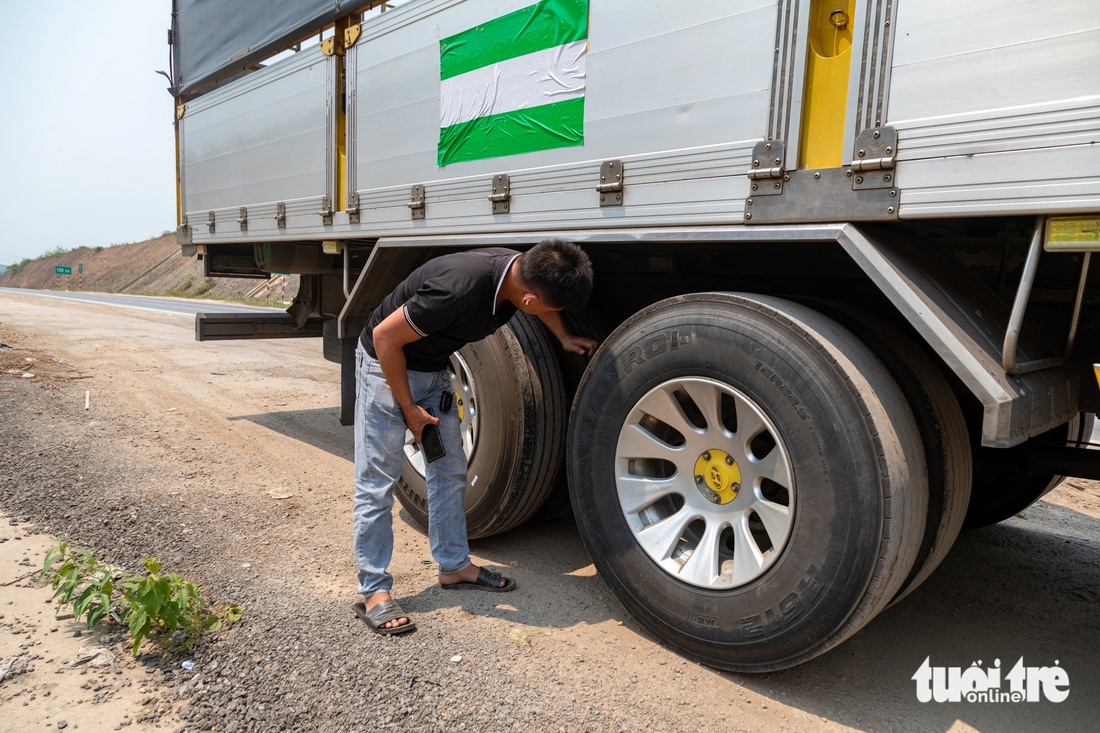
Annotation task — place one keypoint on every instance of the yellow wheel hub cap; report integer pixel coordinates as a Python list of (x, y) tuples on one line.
[(717, 477)]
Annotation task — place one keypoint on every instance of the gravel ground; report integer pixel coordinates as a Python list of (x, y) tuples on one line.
[(225, 461)]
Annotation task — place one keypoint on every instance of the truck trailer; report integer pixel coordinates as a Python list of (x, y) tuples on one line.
[(841, 247)]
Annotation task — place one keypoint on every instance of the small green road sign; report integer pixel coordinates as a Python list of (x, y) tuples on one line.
[(80, 268), (62, 270)]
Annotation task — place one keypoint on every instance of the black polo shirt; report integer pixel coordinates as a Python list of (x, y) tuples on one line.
[(450, 301)]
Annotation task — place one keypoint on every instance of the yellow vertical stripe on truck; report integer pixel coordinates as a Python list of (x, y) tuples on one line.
[(179, 197), (341, 119), (828, 61)]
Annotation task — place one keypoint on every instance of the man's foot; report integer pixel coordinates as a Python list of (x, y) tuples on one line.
[(474, 578), (383, 614)]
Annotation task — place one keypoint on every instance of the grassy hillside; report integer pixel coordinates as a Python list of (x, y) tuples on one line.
[(152, 267)]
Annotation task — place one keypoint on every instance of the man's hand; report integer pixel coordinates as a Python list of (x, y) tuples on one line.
[(579, 345), (416, 417)]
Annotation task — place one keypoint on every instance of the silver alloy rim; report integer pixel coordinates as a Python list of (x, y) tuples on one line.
[(705, 483), (462, 382)]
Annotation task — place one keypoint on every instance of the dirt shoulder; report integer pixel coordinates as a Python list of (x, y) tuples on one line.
[(57, 673), (226, 461)]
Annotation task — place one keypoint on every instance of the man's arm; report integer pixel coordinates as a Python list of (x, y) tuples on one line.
[(390, 337), (569, 342)]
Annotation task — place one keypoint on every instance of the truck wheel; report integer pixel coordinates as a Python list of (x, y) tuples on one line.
[(572, 368), (942, 427), (747, 478), (512, 406), (1003, 485)]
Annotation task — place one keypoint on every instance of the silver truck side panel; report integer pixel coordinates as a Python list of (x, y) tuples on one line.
[(265, 139), (994, 115), (872, 42), (667, 93)]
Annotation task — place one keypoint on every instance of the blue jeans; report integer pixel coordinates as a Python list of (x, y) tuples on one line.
[(379, 451)]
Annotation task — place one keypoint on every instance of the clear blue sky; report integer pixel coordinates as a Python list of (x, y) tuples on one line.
[(86, 139)]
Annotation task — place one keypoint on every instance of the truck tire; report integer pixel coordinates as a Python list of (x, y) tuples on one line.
[(697, 396), (942, 427), (585, 324), (1003, 484), (512, 404)]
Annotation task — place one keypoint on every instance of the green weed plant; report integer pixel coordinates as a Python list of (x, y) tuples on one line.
[(164, 608)]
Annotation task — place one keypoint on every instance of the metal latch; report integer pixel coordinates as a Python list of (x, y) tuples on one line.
[(183, 233), (611, 183), (353, 209), (416, 203), (210, 222), (876, 155), (502, 193), (280, 215), (326, 211), (243, 219), (767, 172)]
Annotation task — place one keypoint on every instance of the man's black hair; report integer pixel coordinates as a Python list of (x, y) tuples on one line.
[(559, 272)]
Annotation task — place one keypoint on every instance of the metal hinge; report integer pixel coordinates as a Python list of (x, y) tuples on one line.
[(353, 209), (243, 219), (502, 193), (611, 183), (210, 222), (768, 172), (876, 155), (416, 203), (280, 215), (326, 211)]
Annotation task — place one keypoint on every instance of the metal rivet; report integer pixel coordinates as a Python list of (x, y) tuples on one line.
[(887, 178), (698, 479), (786, 178), (848, 172), (602, 198), (893, 193), (889, 150), (755, 187), (777, 186), (859, 179), (777, 161), (768, 146), (756, 164), (877, 134), (816, 176), (862, 153), (748, 214), (748, 202), (890, 210)]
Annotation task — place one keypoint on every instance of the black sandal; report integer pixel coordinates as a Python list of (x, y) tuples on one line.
[(486, 580), (380, 613)]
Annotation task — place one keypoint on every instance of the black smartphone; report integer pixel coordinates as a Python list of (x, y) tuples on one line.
[(431, 442)]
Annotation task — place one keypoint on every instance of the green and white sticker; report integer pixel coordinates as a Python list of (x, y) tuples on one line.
[(514, 84)]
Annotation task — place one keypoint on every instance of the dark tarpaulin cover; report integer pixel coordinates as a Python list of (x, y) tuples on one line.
[(216, 38)]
